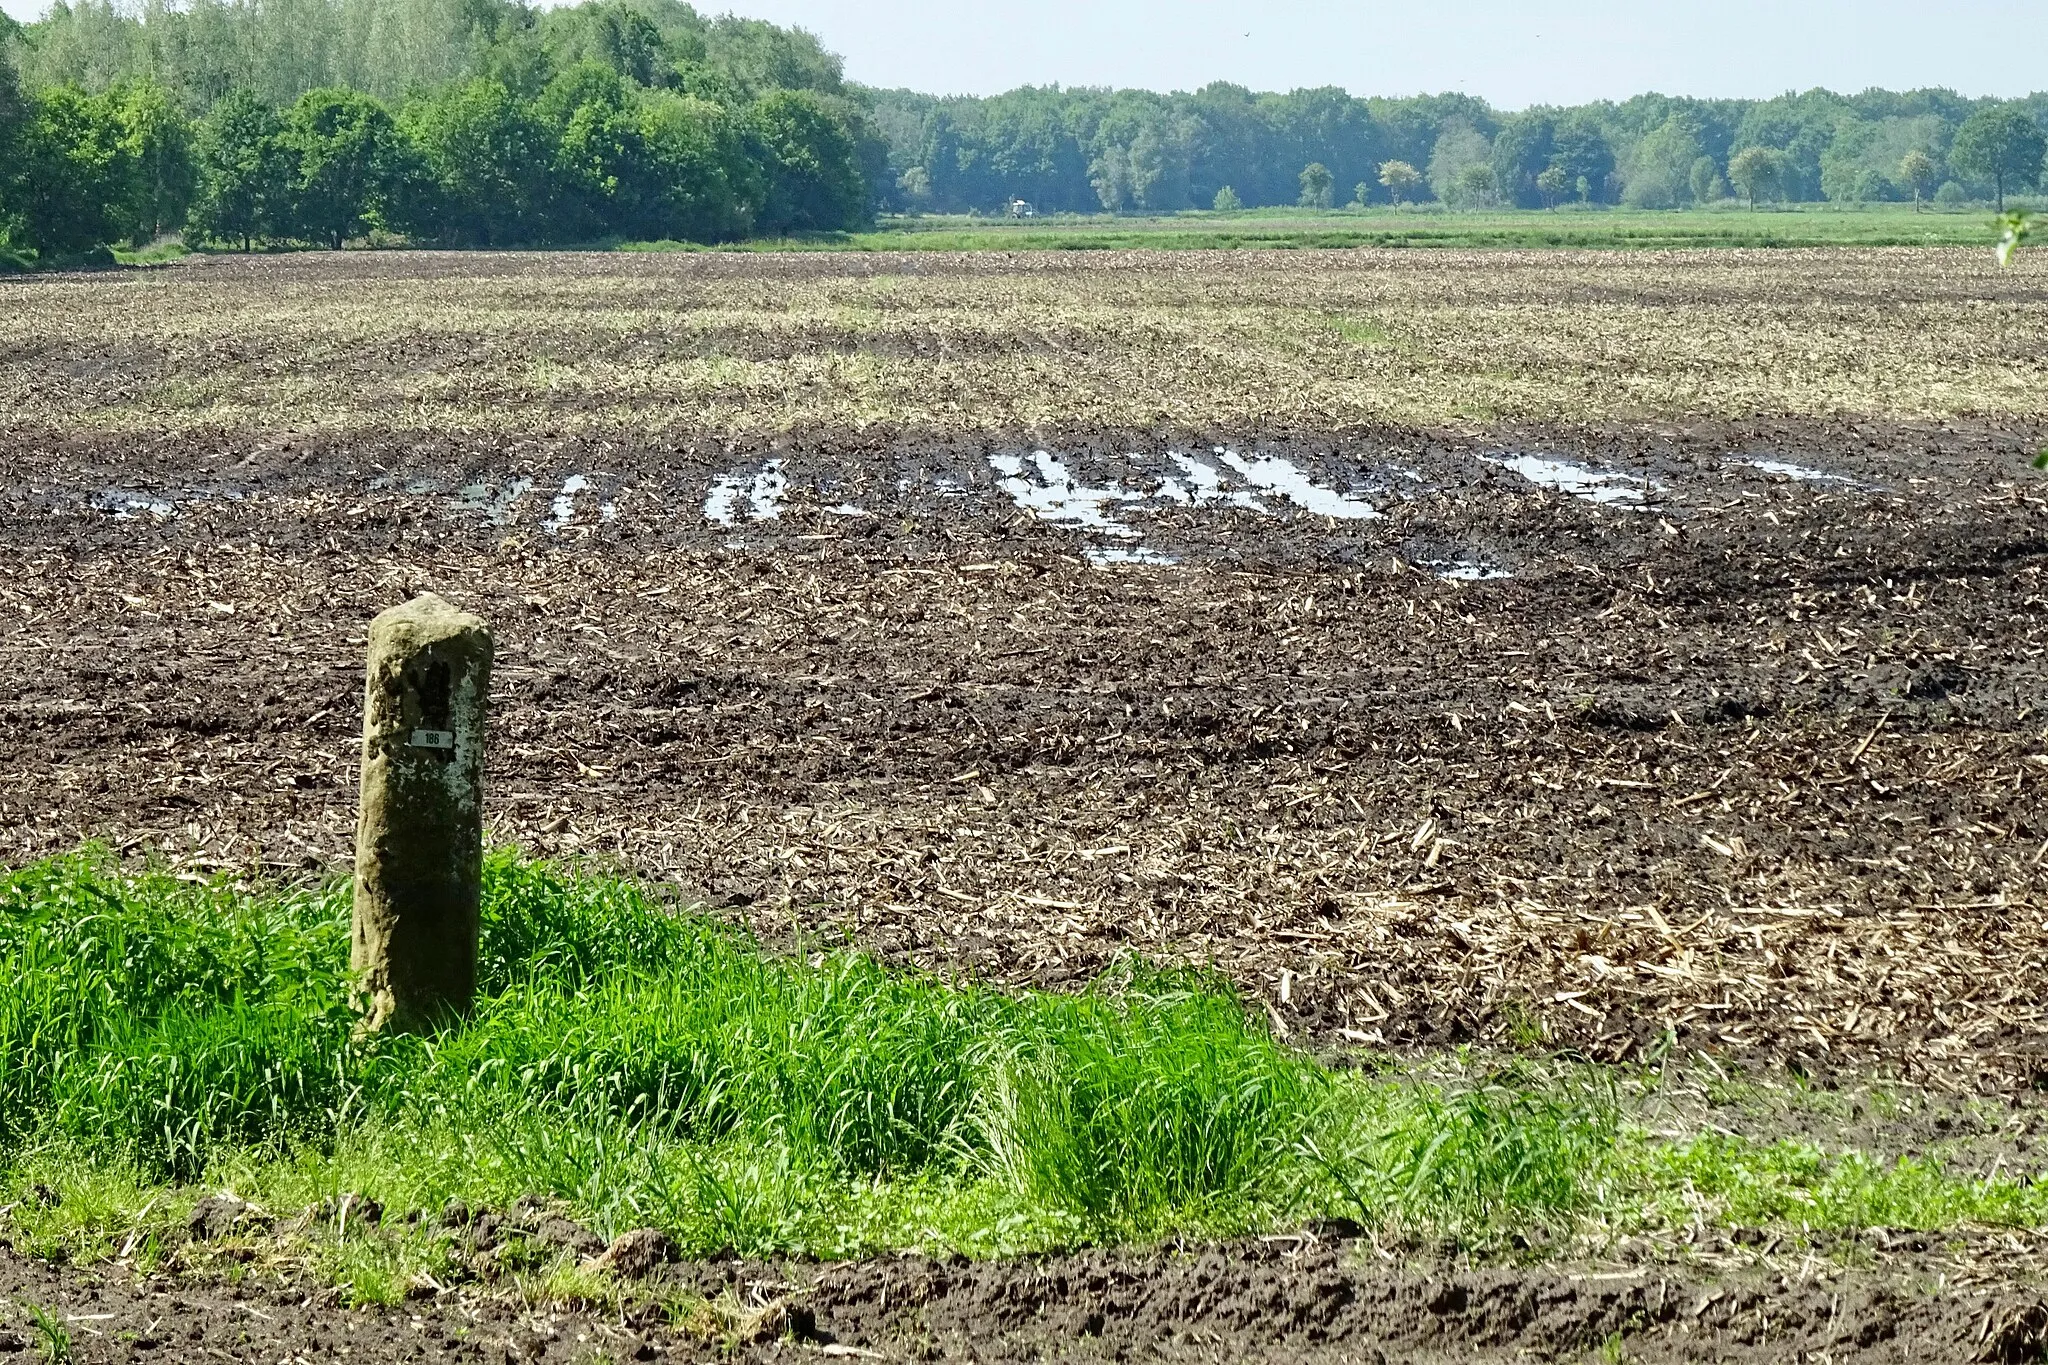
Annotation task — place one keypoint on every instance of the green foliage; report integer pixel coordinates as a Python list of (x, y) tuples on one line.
[(160, 149), (1755, 172), (1227, 201), (74, 177), (1318, 186), (245, 172), (350, 164), (1521, 150), (1754, 1184), (1919, 174), (814, 180), (704, 185), (173, 1025), (1479, 1161), (1401, 179), (2003, 145), (1580, 150), (1661, 169), (1063, 150), (13, 126), (621, 118), (53, 1332), (494, 163)]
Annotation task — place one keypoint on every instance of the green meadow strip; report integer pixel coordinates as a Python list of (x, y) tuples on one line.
[(161, 1037)]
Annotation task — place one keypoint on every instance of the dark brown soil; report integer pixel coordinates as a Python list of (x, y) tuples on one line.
[(1754, 771), (1278, 1299)]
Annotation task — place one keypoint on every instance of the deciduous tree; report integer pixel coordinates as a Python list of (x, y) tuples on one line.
[(1401, 179), (1754, 171), (1918, 173), (245, 171), (2003, 145), (1705, 181), (1317, 186), (160, 143), (493, 161), (13, 119), (813, 167), (349, 160), (75, 168)]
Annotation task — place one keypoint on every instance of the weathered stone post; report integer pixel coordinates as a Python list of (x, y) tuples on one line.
[(419, 831)]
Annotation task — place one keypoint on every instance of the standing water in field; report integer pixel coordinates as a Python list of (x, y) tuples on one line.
[(128, 506), (764, 493), (1799, 473), (771, 486), (563, 510), (1285, 478), (1575, 479), (1204, 487), (1056, 496)]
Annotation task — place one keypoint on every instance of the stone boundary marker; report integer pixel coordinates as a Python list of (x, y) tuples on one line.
[(419, 830)]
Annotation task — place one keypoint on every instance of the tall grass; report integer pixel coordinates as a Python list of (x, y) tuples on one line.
[(180, 1026), (650, 1065)]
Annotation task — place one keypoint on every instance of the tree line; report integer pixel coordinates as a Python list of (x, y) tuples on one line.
[(494, 123), (226, 122), (1224, 146)]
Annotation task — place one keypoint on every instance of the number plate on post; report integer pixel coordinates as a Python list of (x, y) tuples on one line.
[(433, 739)]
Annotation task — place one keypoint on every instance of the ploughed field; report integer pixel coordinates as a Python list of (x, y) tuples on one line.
[(1639, 656)]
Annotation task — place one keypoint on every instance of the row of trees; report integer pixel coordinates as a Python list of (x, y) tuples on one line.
[(2001, 145), (584, 125), (490, 122), (1089, 150)]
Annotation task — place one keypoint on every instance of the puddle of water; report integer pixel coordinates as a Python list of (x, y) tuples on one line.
[(845, 509), (1205, 488), (129, 506), (1054, 496), (563, 510), (1798, 473), (1575, 479), (764, 494), (1466, 570), (771, 485), (495, 501), (723, 500), (1285, 478)]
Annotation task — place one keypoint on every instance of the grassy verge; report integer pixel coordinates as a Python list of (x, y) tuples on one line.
[(1872, 225), (638, 1064)]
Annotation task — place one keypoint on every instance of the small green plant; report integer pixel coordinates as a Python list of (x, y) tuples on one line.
[(52, 1333)]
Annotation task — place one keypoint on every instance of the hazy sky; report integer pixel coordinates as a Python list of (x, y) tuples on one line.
[(1511, 52)]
